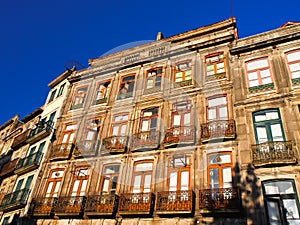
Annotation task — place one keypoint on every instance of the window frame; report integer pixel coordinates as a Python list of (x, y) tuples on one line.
[(79, 95), (122, 86), (217, 107), (215, 74), (81, 178), (179, 171), (258, 71), (52, 96), (104, 92), (111, 177), (119, 124), (54, 181), (297, 61), (155, 77), (142, 174), (61, 90), (183, 71), (149, 118)]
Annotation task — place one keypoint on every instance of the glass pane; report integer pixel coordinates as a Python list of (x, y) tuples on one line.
[(252, 76), (90, 135), (56, 189), (65, 138), (145, 125), (265, 73), (123, 129), (105, 185), (115, 130), (261, 134), (149, 83), (153, 123), (75, 187), (219, 158), (50, 185), (114, 183), (276, 132), (272, 115), (83, 187), (223, 113), (137, 184), (147, 183), (257, 64), (176, 121), (274, 214), (291, 209), (173, 181), (279, 187), (111, 169), (296, 74), (184, 183), (187, 119), (71, 137), (266, 80), (293, 56), (214, 177), (217, 101), (227, 177), (295, 67), (143, 167), (212, 114), (253, 83)]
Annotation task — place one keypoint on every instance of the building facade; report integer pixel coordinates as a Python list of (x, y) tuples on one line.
[(197, 128)]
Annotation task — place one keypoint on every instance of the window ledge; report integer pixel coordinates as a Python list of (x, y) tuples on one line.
[(260, 88)]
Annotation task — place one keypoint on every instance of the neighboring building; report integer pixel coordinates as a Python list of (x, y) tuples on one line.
[(197, 128), (29, 140)]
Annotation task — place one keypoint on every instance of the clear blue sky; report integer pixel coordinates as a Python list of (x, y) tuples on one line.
[(38, 37)]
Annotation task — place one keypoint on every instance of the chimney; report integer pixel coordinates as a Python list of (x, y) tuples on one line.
[(159, 36)]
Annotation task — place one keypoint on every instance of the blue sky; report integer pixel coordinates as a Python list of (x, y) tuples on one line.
[(38, 38)]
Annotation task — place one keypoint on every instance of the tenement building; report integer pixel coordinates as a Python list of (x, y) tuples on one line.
[(197, 128)]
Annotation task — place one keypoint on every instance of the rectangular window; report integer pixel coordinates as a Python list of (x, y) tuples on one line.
[(183, 72), (293, 61), (154, 77), (215, 66), (102, 92), (142, 175), (268, 126), (52, 96), (217, 108), (126, 87), (80, 181), (282, 202), (61, 89), (79, 97), (259, 72), (119, 125), (149, 120), (109, 179), (53, 183)]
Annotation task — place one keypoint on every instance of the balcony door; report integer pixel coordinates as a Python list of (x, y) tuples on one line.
[(220, 170), (142, 177), (109, 180), (149, 120), (179, 174), (268, 126), (80, 181), (119, 125), (68, 136), (53, 184), (217, 108)]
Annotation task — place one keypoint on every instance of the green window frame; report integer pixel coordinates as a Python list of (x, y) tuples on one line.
[(268, 126), (61, 90), (52, 96)]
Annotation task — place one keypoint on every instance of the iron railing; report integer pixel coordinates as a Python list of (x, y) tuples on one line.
[(30, 162), (42, 130), (70, 205), (115, 144), (9, 167), (179, 134), (43, 206), (218, 129), (20, 140), (277, 152), (219, 199), (15, 199), (145, 139), (139, 203), (105, 204), (86, 148), (175, 201), (61, 151)]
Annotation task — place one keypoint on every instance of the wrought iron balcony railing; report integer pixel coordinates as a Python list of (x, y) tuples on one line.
[(70, 206), (20, 140), (277, 152), (29, 163), (175, 202), (42, 206), (42, 130), (136, 203), (179, 135), (115, 144), (219, 199), (14, 200), (8, 168), (61, 151), (86, 148), (105, 204), (145, 139), (218, 129)]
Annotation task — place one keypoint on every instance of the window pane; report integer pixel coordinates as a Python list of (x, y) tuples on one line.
[(276, 132), (137, 183), (123, 129), (105, 185), (212, 114), (291, 208), (214, 178), (223, 112), (187, 119), (145, 125), (75, 187), (293, 56), (273, 211), (253, 83), (143, 167), (147, 183), (56, 189), (261, 134), (184, 184), (173, 181), (227, 178), (257, 64), (50, 185), (115, 130), (176, 121), (217, 101), (111, 169)]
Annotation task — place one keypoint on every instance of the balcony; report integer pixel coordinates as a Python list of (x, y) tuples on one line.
[(136, 203), (14, 200), (20, 140), (28, 163), (43, 207), (218, 130), (99, 205), (145, 140), (115, 144), (179, 135), (9, 168), (61, 151), (70, 206), (42, 130), (273, 153), (175, 202), (86, 148), (219, 199)]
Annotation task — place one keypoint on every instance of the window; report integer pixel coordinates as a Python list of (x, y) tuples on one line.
[(5, 220), (52, 96), (119, 125), (80, 181), (53, 183), (215, 66), (142, 175), (102, 92), (181, 117), (61, 89), (183, 72), (68, 136), (282, 203), (220, 170), (293, 61), (217, 108), (91, 134), (126, 87), (267, 126), (149, 120), (79, 97), (109, 179), (154, 78), (259, 72), (179, 173)]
